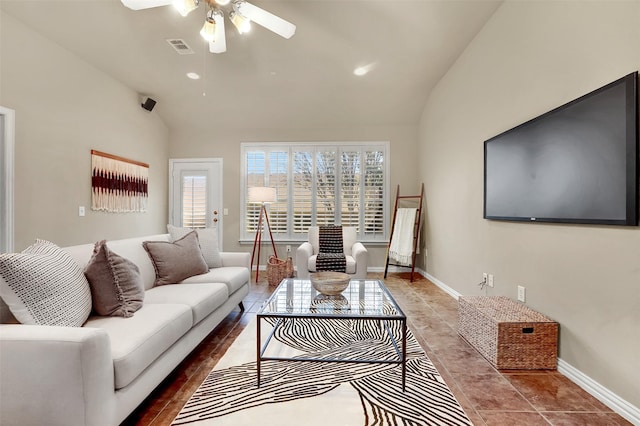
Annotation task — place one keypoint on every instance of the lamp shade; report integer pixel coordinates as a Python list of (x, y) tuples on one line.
[(262, 194)]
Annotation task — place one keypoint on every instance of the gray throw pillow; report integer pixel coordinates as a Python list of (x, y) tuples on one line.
[(208, 238), (43, 285), (116, 284), (176, 261)]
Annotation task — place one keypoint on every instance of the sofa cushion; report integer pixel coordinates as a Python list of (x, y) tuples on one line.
[(176, 261), (116, 284), (351, 264), (208, 239), (139, 340), (201, 298), (129, 248), (233, 276), (43, 285)]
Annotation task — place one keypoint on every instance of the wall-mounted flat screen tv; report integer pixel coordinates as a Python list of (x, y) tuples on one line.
[(574, 164)]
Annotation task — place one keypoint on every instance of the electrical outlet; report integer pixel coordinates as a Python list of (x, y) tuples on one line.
[(490, 280), (485, 278), (521, 293), (80, 211)]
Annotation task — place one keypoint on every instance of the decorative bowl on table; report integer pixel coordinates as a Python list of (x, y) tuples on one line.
[(329, 283)]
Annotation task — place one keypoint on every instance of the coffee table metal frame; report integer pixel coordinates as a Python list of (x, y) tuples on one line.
[(297, 299)]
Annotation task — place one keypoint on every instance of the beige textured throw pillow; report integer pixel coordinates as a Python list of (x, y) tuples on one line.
[(43, 285), (116, 284), (208, 238), (176, 261)]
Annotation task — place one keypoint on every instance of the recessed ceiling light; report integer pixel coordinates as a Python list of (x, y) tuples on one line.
[(364, 69), (193, 76), (360, 71)]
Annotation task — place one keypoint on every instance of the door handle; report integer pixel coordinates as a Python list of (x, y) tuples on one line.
[(215, 219), (215, 212)]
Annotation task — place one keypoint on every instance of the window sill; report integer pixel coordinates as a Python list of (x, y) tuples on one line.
[(298, 242)]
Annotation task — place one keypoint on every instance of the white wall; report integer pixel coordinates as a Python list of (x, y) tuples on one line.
[(218, 141), (531, 57), (64, 108)]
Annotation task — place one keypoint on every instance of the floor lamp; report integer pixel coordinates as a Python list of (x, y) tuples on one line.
[(261, 195)]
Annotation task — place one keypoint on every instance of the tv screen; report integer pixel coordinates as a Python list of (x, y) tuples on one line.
[(574, 164)]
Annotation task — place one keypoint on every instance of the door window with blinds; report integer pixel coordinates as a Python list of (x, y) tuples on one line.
[(195, 194), (318, 184), (194, 201)]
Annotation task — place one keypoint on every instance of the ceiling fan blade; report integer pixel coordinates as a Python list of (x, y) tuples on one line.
[(219, 44), (266, 19), (144, 4)]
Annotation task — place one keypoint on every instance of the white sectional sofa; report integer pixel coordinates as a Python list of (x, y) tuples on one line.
[(99, 373)]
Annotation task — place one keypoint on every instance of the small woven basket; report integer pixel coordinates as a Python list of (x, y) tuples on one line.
[(279, 269)]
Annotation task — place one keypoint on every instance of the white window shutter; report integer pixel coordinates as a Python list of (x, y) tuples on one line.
[(194, 201)]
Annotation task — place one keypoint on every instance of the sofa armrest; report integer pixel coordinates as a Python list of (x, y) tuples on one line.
[(230, 258), (303, 253), (360, 254), (55, 376)]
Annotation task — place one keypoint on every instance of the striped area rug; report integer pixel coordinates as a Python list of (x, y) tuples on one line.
[(318, 393)]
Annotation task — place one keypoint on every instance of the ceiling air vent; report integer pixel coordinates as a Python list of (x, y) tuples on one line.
[(180, 46)]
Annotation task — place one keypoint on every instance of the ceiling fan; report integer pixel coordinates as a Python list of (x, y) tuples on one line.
[(242, 13)]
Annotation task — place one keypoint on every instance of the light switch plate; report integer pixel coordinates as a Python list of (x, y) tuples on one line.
[(521, 293)]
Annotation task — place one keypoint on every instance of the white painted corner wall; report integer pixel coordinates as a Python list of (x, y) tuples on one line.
[(531, 57), (65, 107)]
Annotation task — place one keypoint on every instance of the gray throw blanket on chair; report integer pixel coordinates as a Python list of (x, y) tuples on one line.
[(331, 254)]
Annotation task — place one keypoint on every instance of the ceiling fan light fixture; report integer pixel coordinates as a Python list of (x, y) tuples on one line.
[(219, 44), (208, 31), (213, 30), (242, 23), (185, 6)]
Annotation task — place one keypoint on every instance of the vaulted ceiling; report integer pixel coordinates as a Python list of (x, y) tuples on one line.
[(263, 80)]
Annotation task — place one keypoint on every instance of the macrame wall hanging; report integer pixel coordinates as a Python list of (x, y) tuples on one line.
[(118, 184)]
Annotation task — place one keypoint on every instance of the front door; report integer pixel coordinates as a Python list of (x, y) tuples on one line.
[(195, 193)]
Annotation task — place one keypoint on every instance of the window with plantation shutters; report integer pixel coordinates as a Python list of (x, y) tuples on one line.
[(302, 188), (318, 184), (325, 178), (350, 200), (278, 178), (194, 201), (373, 188)]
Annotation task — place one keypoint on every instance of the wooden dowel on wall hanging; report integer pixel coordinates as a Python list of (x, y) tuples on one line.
[(116, 157)]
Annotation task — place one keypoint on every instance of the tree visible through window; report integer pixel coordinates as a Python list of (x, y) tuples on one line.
[(318, 184)]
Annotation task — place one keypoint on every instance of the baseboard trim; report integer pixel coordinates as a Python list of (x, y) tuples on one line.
[(440, 284), (601, 393), (424, 273)]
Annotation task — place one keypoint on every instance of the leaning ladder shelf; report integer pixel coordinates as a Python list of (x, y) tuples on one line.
[(416, 227)]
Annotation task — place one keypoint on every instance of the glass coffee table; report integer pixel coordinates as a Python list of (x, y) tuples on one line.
[(362, 300)]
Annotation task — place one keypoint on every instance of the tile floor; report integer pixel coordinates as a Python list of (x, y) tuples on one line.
[(488, 396)]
